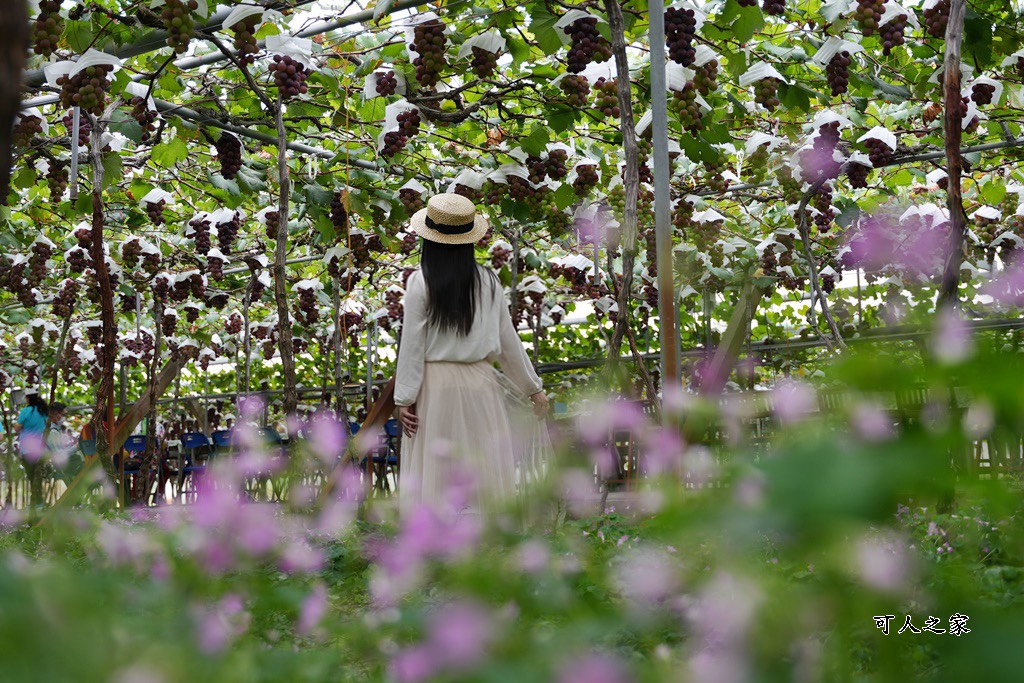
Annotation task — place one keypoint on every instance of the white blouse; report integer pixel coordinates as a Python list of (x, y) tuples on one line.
[(492, 337)]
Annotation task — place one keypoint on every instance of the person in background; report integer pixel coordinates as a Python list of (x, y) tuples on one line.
[(30, 428), (60, 444), (451, 406)]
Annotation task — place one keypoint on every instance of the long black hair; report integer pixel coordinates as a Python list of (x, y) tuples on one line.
[(36, 401), (454, 284)]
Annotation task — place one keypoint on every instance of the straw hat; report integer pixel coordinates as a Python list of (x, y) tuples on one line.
[(449, 219)]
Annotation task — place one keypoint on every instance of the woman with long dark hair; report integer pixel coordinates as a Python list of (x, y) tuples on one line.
[(451, 405)]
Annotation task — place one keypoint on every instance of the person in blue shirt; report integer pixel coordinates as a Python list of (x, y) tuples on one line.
[(30, 428)]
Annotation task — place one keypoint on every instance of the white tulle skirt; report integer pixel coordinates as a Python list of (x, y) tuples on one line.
[(474, 447)]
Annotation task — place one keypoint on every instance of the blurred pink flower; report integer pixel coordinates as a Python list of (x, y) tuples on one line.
[(299, 557), (883, 562), (460, 633), (663, 452), (123, 545), (911, 247), (1008, 287), (720, 665), (533, 556), (594, 668), (590, 230), (32, 446), (951, 342), (579, 490), (700, 465), (220, 623), (749, 489), (250, 407), (724, 611), (335, 518), (295, 424), (138, 673), (979, 420), (313, 609), (414, 664), (424, 535), (302, 494), (793, 400), (349, 484), (595, 426), (872, 423), (11, 517), (327, 437), (646, 576)]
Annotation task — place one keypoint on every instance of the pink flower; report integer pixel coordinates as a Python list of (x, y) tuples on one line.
[(219, 624), (460, 633), (533, 556), (594, 668), (294, 424), (719, 664), (749, 490), (884, 562), (327, 438), (912, 247), (725, 610), (646, 576), (663, 452), (126, 546), (424, 535), (579, 490), (11, 517), (595, 426), (302, 494), (1008, 288), (952, 340), (793, 400), (700, 465), (138, 673), (32, 446), (299, 557), (313, 609), (414, 664), (872, 423), (348, 484), (250, 407), (335, 518)]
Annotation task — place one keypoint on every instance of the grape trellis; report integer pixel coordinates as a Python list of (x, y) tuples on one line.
[(225, 188)]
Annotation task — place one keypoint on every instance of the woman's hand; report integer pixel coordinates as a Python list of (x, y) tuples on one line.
[(540, 404), (410, 422)]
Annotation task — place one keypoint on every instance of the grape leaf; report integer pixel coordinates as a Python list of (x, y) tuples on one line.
[(537, 141), (562, 119), (79, 35), (564, 196), (542, 25), (112, 169), (170, 153), (978, 40), (696, 149), (519, 50), (794, 97), (747, 24)]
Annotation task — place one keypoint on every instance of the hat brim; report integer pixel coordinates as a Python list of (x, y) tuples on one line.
[(419, 226)]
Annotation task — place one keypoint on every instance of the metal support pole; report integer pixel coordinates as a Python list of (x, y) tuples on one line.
[(76, 122), (371, 339), (668, 323)]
